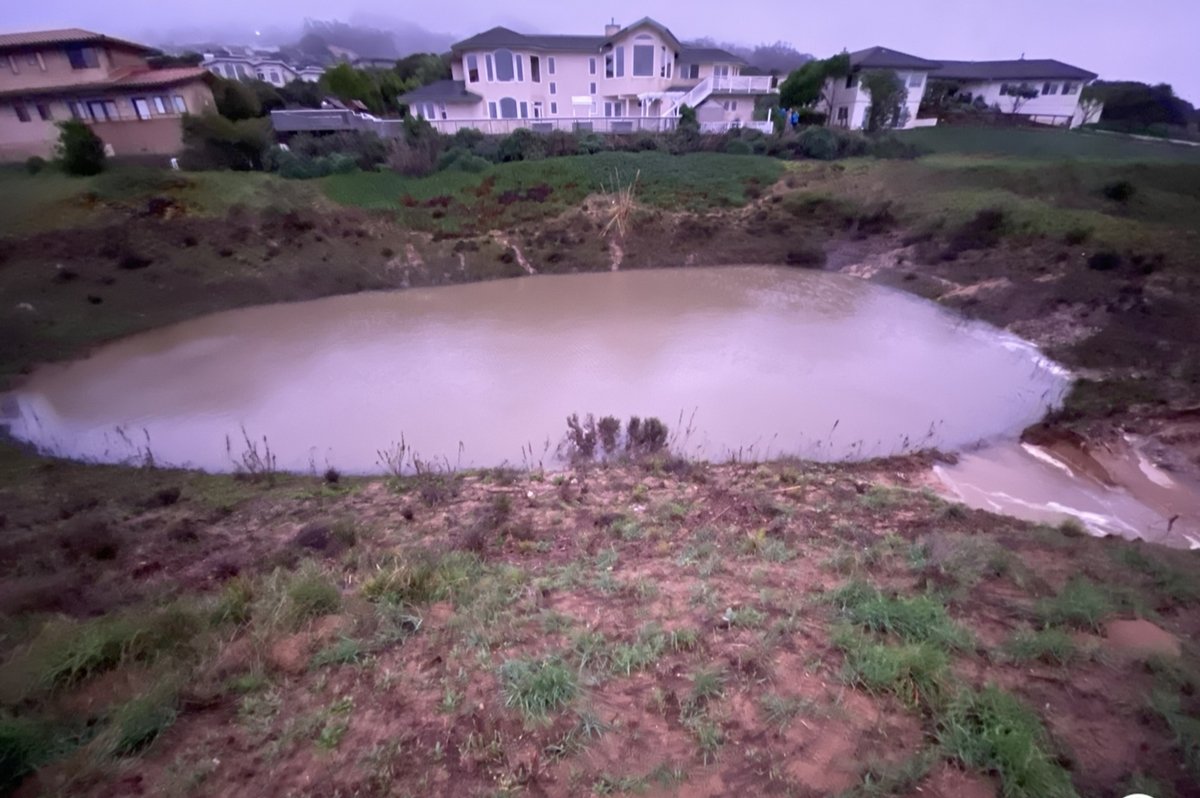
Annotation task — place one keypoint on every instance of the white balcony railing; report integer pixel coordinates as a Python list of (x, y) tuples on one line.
[(743, 84)]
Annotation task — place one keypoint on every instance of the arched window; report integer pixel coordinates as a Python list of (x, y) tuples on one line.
[(508, 108), (504, 65)]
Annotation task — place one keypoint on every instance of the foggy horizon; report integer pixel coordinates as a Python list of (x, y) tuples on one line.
[(1150, 43)]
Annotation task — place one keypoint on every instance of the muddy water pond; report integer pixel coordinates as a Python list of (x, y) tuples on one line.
[(758, 361)]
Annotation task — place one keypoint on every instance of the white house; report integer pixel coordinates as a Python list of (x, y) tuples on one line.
[(1046, 91), (249, 67), (845, 101), (630, 78), (1043, 90)]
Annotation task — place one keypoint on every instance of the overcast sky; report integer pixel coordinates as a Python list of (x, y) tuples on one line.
[(1149, 40)]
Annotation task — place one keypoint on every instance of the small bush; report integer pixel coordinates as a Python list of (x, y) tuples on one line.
[(646, 436), (1104, 261), (892, 147), (522, 145), (310, 594), (1119, 190), (79, 149), (820, 143), (538, 687), (993, 731), (609, 430), (590, 144), (738, 147), (35, 164)]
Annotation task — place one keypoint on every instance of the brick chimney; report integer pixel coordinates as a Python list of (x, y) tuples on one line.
[(612, 28)]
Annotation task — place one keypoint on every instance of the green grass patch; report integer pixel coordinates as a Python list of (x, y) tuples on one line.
[(641, 653), (1040, 145), (311, 594), (344, 652), (916, 619), (994, 732), (423, 578), (1184, 726), (500, 195), (1050, 646), (538, 687), (915, 673), (1081, 604), (139, 722)]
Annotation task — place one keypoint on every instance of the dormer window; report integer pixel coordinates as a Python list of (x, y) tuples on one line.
[(83, 57)]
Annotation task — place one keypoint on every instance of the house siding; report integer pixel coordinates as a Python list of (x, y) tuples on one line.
[(1058, 108)]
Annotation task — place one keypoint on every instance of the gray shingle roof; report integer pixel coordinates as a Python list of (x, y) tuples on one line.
[(441, 91), (883, 58), (504, 37), (1023, 69), (708, 55)]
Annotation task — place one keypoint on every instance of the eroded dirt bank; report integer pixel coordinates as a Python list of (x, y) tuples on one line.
[(660, 628)]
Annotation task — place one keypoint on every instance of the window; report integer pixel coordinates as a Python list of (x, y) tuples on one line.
[(1049, 88), (591, 66), (553, 87), (692, 71), (643, 60), (99, 110), (508, 108), (180, 105), (241, 70), (520, 73), (275, 77), (592, 88), (77, 110), (492, 110), (721, 70), (12, 64), (620, 62), (609, 69), (1070, 88), (141, 108), (83, 57), (663, 63), (43, 110), (22, 111), (843, 115), (504, 66), (160, 105), (1003, 89), (554, 109), (472, 69), (915, 80), (535, 69), (110, 110), (850, 80), (537, 110), (550, 64), (259, 74), (524, 110), (488, 62)]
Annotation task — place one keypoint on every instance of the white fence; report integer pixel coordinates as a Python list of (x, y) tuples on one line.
[(323, 121)]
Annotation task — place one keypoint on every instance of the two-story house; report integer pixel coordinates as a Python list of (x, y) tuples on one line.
[(845, 101), (51, 76), (630, 78), (249, 67)]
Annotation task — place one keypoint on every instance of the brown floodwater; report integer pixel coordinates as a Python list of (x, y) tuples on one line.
[(758, 361)]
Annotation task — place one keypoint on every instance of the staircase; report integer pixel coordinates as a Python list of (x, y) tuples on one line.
[(721, 84)]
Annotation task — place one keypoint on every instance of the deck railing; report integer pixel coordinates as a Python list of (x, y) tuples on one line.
[(332, 121)]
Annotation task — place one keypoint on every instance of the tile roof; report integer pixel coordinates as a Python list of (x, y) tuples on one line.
[(443, 91), (1021, 69), (884, 58), (131, 79), (40, 38)]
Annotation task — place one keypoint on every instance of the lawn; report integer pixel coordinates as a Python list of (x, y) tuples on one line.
[(442, 201), (1046, 144)]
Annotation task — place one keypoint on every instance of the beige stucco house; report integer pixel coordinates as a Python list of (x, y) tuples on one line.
[(50, 76), (630, 78)]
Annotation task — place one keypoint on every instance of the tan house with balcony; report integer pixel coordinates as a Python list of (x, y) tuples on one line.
[(631, 78), (51, 76)]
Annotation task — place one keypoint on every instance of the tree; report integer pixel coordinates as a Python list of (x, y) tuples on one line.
[(347, 83), (269, 98), (212, 141), (1139, 105), (889, 97), (806, 86), (235, 100), (80, 149), (421, 69), (1021, 94), (302, 93)]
